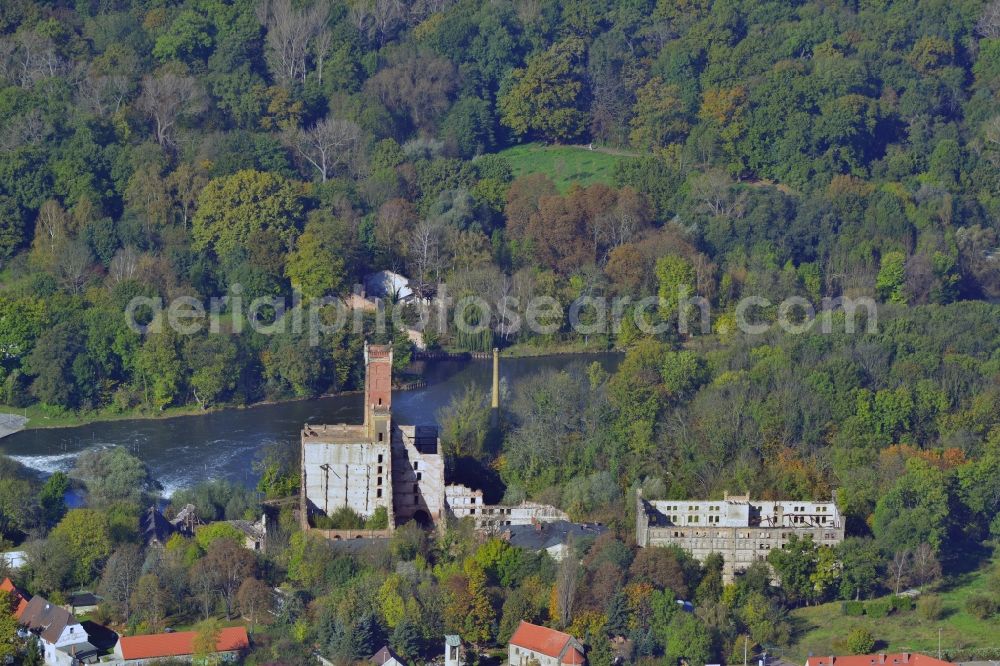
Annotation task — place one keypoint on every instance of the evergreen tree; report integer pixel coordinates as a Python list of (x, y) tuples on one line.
[(367, 636), (600, 652), (617, 624), (406, 639)]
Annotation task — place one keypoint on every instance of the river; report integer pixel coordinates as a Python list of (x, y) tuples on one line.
[(184, 450)]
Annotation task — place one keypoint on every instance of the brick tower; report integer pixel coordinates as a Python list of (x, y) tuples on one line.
[(378, 390)]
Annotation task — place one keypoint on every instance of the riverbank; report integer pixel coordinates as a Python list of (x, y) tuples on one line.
[(224, 443), (46, 418), (39, 417), (527, 350)]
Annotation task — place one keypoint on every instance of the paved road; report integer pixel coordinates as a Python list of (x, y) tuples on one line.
[(11, 423)]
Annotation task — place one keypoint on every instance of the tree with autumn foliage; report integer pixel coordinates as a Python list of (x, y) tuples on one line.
[(475, 610)]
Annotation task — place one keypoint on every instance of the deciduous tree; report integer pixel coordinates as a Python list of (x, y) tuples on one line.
[(159, 369), (167, 98), (291, 31), (860, 563), (315, 267), (659, 115), (235, 210), (328, 145), (86, 535), (859, 641), (465, 424), (795, 564), (113, 475), (417, 84), (150, 601), (120, 579), (689, 640), (230, 564), (255, 600), (545, 98), (917, 509)]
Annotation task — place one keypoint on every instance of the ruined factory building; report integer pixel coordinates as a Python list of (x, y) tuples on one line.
[(738, 528), (396, 467)]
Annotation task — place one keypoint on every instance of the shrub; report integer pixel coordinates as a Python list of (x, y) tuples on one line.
[(901, 603), (859, 641), (930, 607), (379, 519), (343, 518), (321, 521), (853, 608), (878, 609), (981, 606)]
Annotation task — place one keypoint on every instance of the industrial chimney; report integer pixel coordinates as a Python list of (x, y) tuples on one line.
[(495, 404)]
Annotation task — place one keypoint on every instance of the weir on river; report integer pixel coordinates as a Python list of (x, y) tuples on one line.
[(183, 450)]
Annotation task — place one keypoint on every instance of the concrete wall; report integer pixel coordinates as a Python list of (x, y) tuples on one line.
[(518, 656), (355, 475), (347, 535), (744, 513), (739, 546), (763, 526), (464, 502), (417, 474)]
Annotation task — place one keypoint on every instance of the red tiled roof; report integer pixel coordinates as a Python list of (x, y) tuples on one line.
[(547, 641), (181, 643), (898, 659), (20, 600)]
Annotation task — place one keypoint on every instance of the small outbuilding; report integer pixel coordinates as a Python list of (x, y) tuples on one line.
[(150, 648), (548, 647), (83, 602)]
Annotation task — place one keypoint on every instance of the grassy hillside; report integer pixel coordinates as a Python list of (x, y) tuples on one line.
[(565, 165), (819, 628)]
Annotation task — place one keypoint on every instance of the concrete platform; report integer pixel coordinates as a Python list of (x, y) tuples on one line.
[(11, 423)]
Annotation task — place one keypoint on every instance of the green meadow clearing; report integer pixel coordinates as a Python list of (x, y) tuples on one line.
[(565, 165), (818, 629)]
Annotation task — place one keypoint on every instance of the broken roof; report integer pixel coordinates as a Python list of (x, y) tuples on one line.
[(546, 535), (341, 433), (154, 527)]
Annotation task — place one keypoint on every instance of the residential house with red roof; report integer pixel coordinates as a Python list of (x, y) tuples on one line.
[(64, 641), (548, 647), (18, 598), (896, 659), (153, 647)]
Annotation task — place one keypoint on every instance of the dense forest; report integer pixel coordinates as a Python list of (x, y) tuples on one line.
[(173, 149), (211, 148)]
